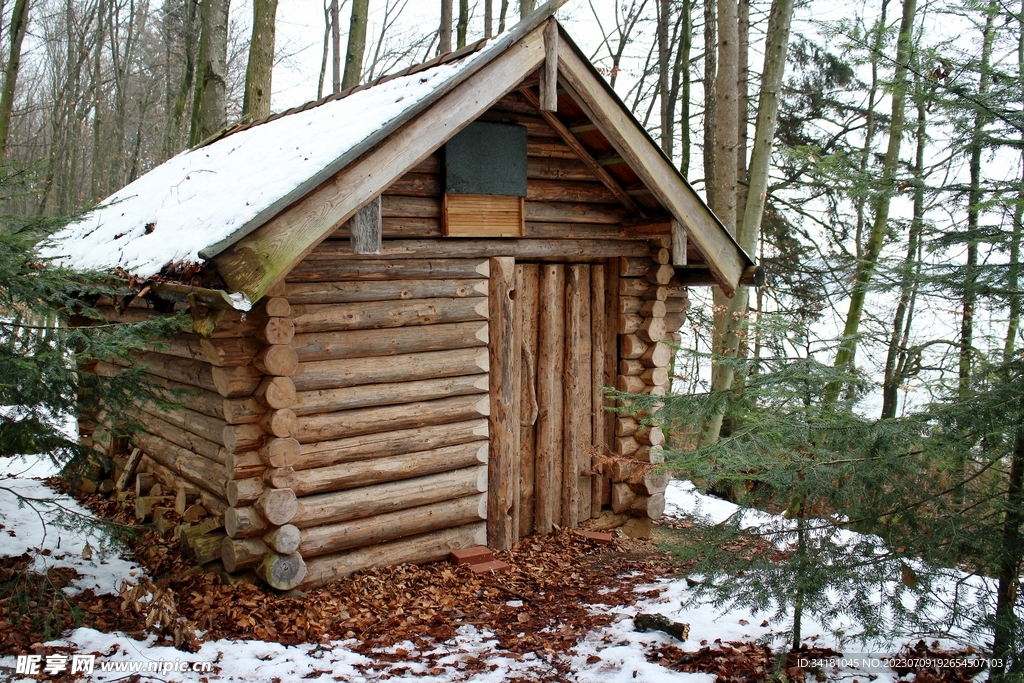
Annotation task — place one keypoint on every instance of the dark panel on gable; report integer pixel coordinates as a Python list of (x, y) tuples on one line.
[(487, 158)]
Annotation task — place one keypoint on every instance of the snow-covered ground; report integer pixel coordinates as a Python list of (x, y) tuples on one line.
[(609, 655)]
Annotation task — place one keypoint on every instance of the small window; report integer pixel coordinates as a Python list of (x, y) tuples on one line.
[(485, 181)]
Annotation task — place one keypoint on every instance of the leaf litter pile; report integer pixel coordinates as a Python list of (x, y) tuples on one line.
[(558, 588)]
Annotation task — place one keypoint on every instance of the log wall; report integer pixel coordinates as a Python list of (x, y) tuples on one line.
[(349, 420)]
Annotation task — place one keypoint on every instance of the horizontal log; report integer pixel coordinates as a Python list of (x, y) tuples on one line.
[(182, 370), (194, 469), (242, 492), (629, 323), (275, 392), (348, 423), (568, 191), (416, 185), (523, 249), (634, 266), (235, 382), (329, 263), (243, 465), (275, 306), (280, 452), (384, 469), (629, 384), (378, 499), (284, 539), (330, 538), (183, 345), (561, 230), (558, 169), (630, 304), (623, 497), (660, 274), (650, 483), (657, 377), (626, 446), (243, 522), (631, 367), (385, 314), (650, 436), (564, 212), (279, 423), (240, 438), (395, 442), (625, 426), (653, 309), (631, 346), (633, 286), (657, 355), (372, 343), (652, 330), (357, 292), (278, 506), (204, 426), (549, 150), (279, 477), (656, 293), (283, 572), (335, 374), (276, 331), (239, 554), (429, 547), (398, 206), (231, 351), (183, 438), (209, 403), (331, 400), (277, 360), (651, 507)]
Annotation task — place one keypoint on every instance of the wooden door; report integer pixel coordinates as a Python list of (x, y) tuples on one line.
[(561, 312)]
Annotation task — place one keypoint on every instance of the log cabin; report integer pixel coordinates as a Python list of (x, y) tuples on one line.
[(407, 301)]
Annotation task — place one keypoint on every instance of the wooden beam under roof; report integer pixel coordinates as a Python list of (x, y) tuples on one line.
[(724, 256), (585, 156)]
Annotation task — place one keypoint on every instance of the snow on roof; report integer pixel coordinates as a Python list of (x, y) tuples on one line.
[(203, 196)]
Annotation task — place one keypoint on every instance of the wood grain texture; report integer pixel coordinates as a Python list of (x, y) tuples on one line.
[(504, 379)]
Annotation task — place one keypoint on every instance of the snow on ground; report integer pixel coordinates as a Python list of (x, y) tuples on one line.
[(614, 654)]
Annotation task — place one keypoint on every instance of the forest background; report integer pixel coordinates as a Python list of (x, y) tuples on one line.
[(869, 155)]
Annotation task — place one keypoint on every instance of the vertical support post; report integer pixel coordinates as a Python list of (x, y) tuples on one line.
[(678, 243), (549, 71), (577, 436), (504, 378), (366, 229), (598, 323), (550, 371)]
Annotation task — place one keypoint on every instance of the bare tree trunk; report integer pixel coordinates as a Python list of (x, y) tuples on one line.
[(733, 316), (866, 266), (897, 356), (526, 8), (356, 44), (664, 55), (209, 113), (463, 24), (336, 45), (682, 77), (502, 16), (488, 18), (96, 189), (260, 69), (445, 32), (722, 191), (189, 44), (710, 68), (974, 199), (742, 105), (19, 26)]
